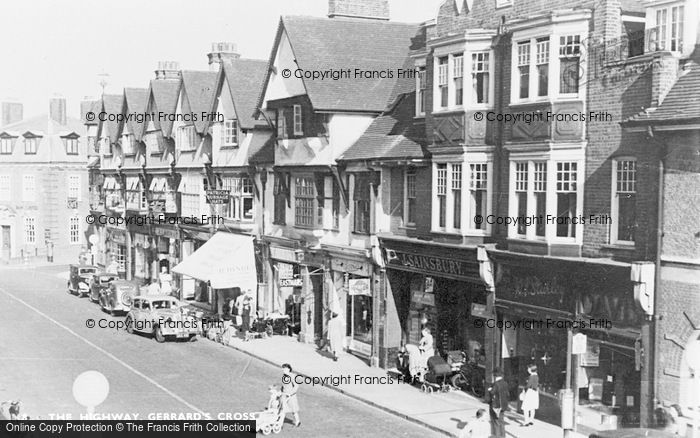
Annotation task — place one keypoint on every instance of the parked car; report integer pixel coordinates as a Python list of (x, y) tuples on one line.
[(118, 296), (79, 279), (98, 283), (162, 316)]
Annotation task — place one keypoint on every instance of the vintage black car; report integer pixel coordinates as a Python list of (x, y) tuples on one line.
[(118, 296), (99, 282), (79, 279)]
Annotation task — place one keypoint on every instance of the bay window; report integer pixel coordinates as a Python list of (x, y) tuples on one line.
[(569, 64), (524, 69), (542, 66), (668, 30), (421, 88), (529, 198), (331, 204), (624, 200), (521, 194), (453, 202), (281, 195), (539, 189), (457, 73)]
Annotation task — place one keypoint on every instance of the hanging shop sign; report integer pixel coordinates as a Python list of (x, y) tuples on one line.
[(591, 358), (359, 286), (351, 267), (285, 271), (479, 311), (578, 344), (218, 196), (284, 254), (429, 285), (290, 282)]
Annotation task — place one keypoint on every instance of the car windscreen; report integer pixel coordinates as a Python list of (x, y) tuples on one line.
[(106, 280), (86, 271)]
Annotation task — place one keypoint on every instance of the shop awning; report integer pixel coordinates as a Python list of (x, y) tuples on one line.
[(111, 183), (159, 184), (226, 260), (133, 183)]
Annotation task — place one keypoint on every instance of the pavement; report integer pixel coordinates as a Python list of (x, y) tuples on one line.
[(444, 413)]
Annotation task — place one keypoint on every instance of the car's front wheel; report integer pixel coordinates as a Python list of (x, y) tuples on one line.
[(129, 325), (158, 334)]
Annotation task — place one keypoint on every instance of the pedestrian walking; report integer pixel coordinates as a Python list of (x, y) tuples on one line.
[(335, 335), (246, 310), (497, 397), (479, 427), (531, 396), (289, 390)]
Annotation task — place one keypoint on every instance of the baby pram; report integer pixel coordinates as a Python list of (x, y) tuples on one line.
[(436, 377), (271, 419)]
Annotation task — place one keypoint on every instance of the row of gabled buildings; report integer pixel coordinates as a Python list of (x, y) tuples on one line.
[(501, 166)]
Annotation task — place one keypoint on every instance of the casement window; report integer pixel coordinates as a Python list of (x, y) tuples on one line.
[(524, 69), (281, 195), (71, 146), (240, 205), (6, 145), (74, 230), (30, 145), (128, 144), (566, 198), (421, 87), (298, 125), (5, 188), (458, 79), (521, 194), (73, 186), (442, 194), (410, 198), (478, 192), (668, 33), (135, 194), (28, 188), (331, 204), (230, 133), (304, 202), (152, 143), (187, 138), (442, 81), (529, 197), (191, 189), (456, 181), (542, 66), (480, 77), (569, 64), (624, 200), (539, 189), (281, 124), (29, 230), (361, 203)]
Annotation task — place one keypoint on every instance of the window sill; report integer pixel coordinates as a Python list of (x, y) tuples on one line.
[(182, 151), (419, 116), (229, 146), (130, 155), (157, 153), (407, 227), (360, 233), (620, 246)]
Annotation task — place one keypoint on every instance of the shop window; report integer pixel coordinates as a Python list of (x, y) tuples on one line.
[(624, 200), (361, 202), (566, 199), (304, 202), (410, 198), (359, 309)]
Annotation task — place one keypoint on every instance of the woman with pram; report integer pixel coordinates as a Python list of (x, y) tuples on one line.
[(272, 418), (418, 355)]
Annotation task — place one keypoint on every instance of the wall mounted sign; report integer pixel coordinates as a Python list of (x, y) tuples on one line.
[(218, 196), (359, 286)]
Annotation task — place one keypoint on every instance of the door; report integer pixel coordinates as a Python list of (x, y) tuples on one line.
[(6, 242)]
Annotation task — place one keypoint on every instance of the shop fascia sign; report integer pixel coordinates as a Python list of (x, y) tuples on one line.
[(426, 263), (290, 282)]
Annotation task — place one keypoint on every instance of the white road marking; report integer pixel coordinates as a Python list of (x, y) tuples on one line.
[(108, 354)]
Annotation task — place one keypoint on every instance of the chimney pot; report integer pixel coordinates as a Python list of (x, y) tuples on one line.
[(168, 70), (220, 52), (369, 9)]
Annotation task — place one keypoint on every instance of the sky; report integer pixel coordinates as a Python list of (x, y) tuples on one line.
[(60, 48)]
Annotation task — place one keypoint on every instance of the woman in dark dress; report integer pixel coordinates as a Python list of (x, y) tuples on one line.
[(245, 316)]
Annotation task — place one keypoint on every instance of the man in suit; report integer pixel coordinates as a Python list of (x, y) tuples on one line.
[(498, 398)]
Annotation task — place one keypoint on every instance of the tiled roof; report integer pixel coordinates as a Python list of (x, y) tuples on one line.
[(245, 77), (262, 147), (87, 106), (51, 147), (682, 103), (200, 89), (112, 104), (344, 43), (135, 102), (395, 135), (165, 93)]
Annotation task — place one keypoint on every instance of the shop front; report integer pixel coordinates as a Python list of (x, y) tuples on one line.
[(285, 295), (116, 254), (436, 286), (162, 251), (540, 303)]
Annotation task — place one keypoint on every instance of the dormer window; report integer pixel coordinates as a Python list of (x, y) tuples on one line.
[(187, 138), (71, 145), (6, 145), (668, 33), (281, 124), (30, 145), (230, 133)]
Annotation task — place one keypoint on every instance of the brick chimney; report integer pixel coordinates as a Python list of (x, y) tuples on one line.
[(11, 112), (607, 22), (168, 70), (57, 110), (371, 9), (221, 52)]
